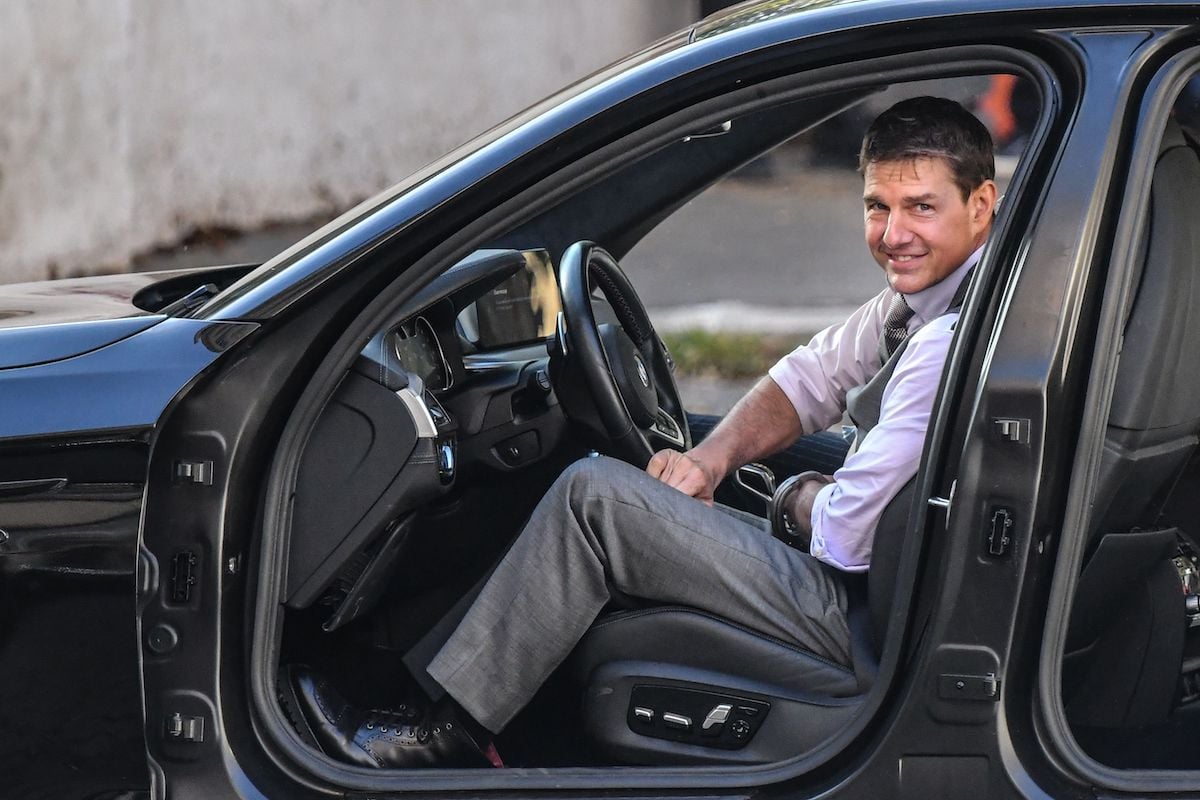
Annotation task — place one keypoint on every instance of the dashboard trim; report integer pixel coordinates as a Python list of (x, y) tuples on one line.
[(422, 419)]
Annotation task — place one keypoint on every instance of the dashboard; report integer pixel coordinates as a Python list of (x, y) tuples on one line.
[(514, 304), (455, 383), (471, 347)]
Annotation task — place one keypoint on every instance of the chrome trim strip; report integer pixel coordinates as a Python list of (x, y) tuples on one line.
[(419, 413)]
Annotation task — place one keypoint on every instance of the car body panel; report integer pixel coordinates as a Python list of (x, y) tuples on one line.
[(127, 383)]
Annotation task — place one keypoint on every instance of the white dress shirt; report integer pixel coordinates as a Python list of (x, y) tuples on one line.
[(816, 377)]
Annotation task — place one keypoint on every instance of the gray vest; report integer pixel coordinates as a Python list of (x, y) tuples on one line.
[(864, 402)]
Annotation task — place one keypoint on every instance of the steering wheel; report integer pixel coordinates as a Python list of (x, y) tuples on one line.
[(614, 378)]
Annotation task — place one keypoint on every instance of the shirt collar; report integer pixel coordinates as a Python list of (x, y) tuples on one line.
[(932, 302)]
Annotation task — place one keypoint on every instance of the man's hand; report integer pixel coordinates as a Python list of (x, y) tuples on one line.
[(684, 472), (762, 422), (790, 512), (800, 503)]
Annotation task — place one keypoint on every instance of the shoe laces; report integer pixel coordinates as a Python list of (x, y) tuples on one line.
[(399, 721)]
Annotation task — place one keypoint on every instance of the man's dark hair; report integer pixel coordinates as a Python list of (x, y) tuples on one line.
[(932, 127)]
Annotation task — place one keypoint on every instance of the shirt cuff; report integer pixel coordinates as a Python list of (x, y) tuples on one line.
[(818, 548)]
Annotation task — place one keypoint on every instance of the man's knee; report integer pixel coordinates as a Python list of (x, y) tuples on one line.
[(579, 481)]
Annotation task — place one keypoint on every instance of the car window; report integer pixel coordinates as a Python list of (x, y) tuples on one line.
[(774, 252)]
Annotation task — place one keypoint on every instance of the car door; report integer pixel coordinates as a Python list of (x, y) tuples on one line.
[(1118, 662), (957, 660)]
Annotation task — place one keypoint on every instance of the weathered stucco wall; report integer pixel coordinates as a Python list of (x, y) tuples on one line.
[(124, 124)]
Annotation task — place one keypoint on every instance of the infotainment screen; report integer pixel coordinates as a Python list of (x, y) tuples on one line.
[(523, 308)]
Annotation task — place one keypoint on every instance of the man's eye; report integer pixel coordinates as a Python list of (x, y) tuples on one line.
[(876, 207), (924, 207)]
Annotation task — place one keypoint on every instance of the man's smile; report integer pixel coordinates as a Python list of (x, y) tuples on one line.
[(903, 258)]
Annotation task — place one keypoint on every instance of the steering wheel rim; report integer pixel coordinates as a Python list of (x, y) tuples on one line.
[(626, 368)]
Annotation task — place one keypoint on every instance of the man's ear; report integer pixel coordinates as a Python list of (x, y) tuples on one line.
[(982, 202)]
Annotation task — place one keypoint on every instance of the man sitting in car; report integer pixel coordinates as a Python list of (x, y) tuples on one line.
[(929, 198)]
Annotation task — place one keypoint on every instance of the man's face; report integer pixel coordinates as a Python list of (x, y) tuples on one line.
[(918, 226)]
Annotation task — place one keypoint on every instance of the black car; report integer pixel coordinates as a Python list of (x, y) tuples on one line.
[(210, 474)]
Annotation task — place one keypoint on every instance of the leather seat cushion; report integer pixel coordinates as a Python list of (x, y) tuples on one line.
[(691, 638)]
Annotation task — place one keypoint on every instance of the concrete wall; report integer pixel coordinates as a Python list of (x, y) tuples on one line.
[(125, 124)]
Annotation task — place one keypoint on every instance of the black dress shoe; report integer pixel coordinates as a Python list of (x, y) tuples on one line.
[(407, 736)]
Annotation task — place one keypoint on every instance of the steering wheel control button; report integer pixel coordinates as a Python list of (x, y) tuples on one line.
[(645, 715), (665, 426), (714, 722), (677, 721)]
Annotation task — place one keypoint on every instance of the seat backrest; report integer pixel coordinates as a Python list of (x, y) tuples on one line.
[(1155, 415), (1125, 638), (885, 561)]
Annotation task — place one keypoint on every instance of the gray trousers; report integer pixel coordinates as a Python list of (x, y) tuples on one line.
[(606, 524)]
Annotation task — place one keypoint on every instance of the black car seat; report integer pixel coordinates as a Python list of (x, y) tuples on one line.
[(1127, 626), (670, 684)]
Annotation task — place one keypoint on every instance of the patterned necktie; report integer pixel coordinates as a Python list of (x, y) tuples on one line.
[(895, 325)]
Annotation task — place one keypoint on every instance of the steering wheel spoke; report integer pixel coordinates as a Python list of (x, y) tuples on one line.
[(666, 430)]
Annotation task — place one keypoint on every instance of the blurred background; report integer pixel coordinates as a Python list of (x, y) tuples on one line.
[(132, 126)]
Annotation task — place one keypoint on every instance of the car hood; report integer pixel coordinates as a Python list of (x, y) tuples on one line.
[(52, 320)]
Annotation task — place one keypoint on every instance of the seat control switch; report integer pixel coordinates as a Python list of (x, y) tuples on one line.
[(677, 721), (714, 722), (696, 717)]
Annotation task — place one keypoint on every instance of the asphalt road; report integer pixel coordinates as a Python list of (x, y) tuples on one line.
[(794, 241)]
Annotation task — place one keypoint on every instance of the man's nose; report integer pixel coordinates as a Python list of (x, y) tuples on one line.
[(896, 233)]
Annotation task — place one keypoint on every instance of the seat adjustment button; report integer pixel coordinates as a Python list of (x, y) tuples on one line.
[(677, 721), (642, 714), (715, 721), (740, 729)]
